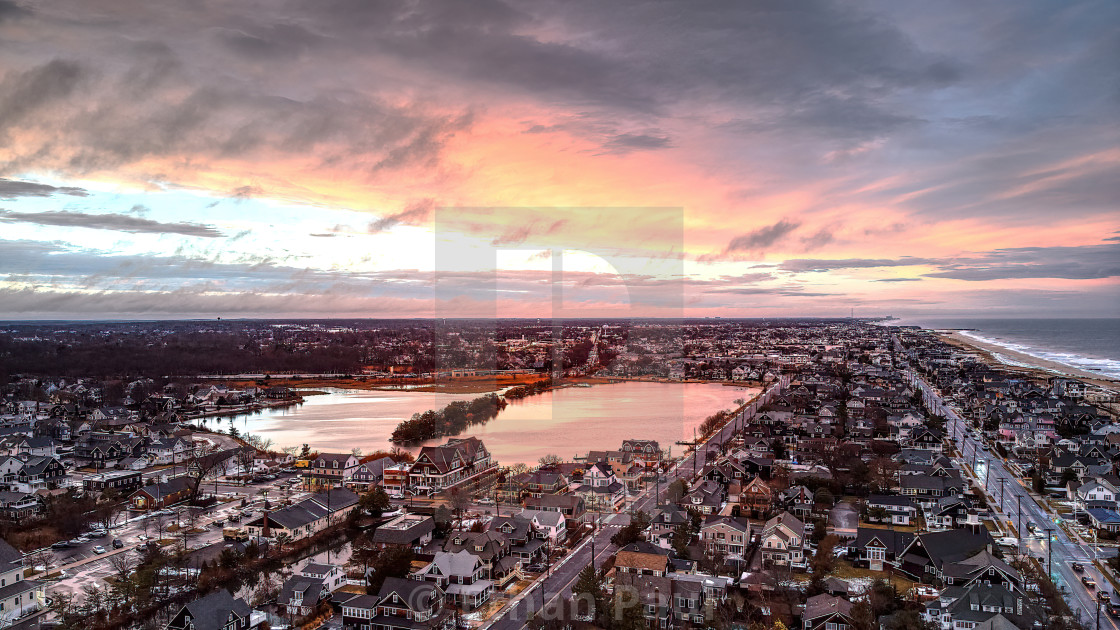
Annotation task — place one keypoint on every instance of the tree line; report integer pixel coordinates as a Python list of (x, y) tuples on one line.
[(451, 420)]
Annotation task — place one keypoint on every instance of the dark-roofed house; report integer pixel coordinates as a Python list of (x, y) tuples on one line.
[(406, 530), (217, 611), (460, 575), (827, 611), (308, 517), (369, 474), (982, 607), (18, 597), (448, 465), (495, 550), (927, 555), (898, 510), (569, 505), (726, 536), (875, 548), (332, 468), (301, 594), (641, 562), (160, 495), (401, 605)]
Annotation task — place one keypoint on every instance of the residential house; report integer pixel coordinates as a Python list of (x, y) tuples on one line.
[(161, 494), (460, 575), (369, 475), (600, 489), (783, 541), (407, 531), (983, 607), (756, 497), (332, 575), (448, 465), (827, 612), (495, 549), (332, 469), (877, 548), (306, 518), (895, 509), (18, 597), (928, 555), (217, 611), (725, 536), (122, 481), (300, 595), (400, 605)]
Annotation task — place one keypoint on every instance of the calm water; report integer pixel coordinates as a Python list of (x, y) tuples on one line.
[(1088, 344), (566, 422)]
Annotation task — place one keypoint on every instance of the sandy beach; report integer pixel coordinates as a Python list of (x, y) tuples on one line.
[(1040, 368)]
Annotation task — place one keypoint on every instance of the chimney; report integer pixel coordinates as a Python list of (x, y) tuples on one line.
[(264, 528)]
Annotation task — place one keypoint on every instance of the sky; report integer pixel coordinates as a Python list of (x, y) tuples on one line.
[(371, 158)]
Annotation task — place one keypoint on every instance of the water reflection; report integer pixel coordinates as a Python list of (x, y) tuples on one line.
[(567, 422)]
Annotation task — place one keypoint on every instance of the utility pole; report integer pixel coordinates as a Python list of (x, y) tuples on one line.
[(1001, 481), (1020, 528), (1049, 553)]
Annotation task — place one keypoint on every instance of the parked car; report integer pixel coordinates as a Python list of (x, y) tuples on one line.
[(118, 544), (62, 544), (99, 550)]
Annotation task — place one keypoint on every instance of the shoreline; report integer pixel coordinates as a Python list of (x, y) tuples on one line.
[(1032, 366), (307, 386)]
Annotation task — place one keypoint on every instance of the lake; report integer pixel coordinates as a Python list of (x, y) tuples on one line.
[(567, 422)]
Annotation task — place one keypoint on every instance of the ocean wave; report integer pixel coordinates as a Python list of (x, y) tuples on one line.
[(1104, 367)]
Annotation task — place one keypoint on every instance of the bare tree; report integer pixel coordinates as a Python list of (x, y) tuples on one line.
[(550, 460), (160, 521)]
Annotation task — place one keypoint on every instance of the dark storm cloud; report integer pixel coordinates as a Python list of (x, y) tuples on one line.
[(811, 264), (117, 222), (23, 94), (10, 189), (416, 212), (818, 240), (1072, 263), (630, 142), (762, 238), (818, 66), (10, 11), (785, 291)]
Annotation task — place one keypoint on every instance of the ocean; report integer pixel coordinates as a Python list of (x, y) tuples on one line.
[(1089, 344)]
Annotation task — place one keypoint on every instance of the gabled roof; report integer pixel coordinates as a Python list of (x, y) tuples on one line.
[(211, 612), (823, 605), (413, 594)]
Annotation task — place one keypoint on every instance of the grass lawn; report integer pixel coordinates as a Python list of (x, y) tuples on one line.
[(846, 571), (897, 528)]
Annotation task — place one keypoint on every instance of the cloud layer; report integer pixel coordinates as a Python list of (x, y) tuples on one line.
[(795, 158)]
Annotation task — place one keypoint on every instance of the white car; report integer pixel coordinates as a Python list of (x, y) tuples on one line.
[(99, 550)]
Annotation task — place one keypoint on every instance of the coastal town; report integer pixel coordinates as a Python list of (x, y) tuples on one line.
[(882, 476)]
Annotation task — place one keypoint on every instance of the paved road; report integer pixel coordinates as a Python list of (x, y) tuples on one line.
[(554, 588), (990, 468)]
